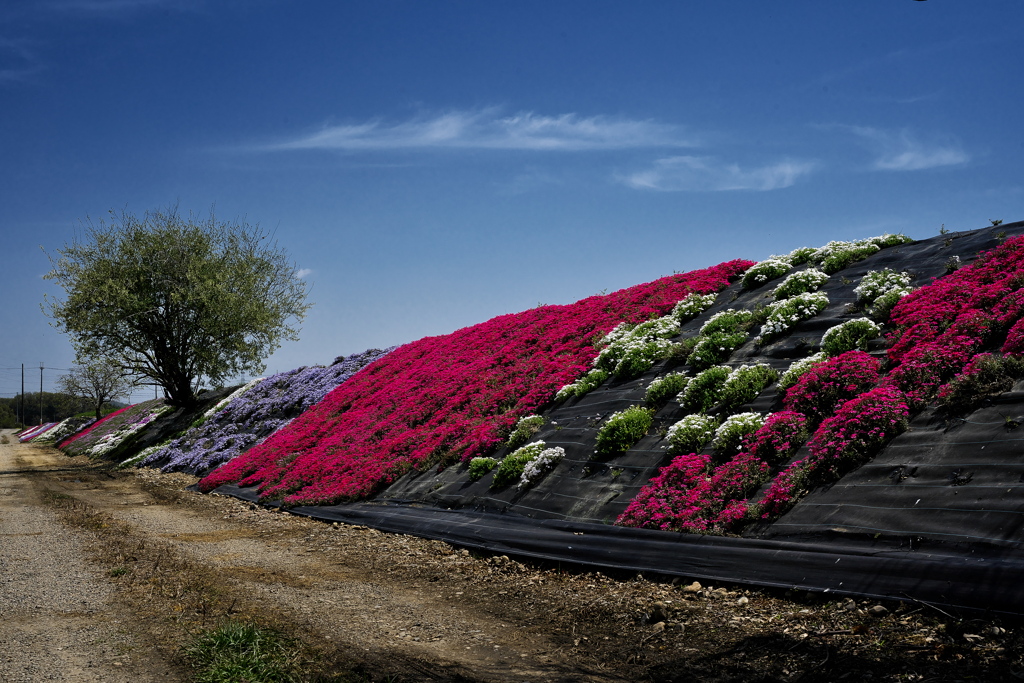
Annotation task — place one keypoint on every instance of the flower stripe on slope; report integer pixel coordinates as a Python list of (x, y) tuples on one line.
[(849, 438), (449, 397), (81, 434), (254, 414)]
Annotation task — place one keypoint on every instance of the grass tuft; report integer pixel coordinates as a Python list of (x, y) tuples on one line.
[(236, 651)]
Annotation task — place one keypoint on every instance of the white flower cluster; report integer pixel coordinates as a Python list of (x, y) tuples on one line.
[(61, 431), (784, 314), (582, 385), (715, 348), (766, 270), (640, 346), (875, 283), (729, 435), (529, 421), (703, 391), (539, 466), (726, 321), (799, 367), (759, 373), (881, 290), (674, 377), (109, 442), (692, 306), (140, 456), (804, 281), (836, 247), (834, 251), (691, 433), (849, 335)]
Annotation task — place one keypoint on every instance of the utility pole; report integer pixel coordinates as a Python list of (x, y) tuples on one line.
[(23, 395), (40, 392)]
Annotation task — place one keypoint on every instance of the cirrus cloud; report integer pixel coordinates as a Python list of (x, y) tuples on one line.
[(487, 129), (904, 151), (708, 174)]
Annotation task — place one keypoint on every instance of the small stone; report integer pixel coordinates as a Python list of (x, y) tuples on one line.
[(878, 611), (996, 631), (659, 613), (743, 601), (659, 627), (692, 588)]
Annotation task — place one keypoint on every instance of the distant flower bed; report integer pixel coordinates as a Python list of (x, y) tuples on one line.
[(63, 430), (255, 413), (66, 444), (449, 398), (108, 434), (36, 431)]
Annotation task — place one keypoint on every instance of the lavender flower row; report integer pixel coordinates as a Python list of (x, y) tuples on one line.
[(255, 415)]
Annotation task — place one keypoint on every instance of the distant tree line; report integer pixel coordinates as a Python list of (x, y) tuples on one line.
[(56, 407)]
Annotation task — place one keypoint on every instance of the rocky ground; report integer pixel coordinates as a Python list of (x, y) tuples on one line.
[(125, 566)]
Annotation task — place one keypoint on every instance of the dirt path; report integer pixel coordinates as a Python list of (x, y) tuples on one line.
[(302, 570), (58, 617), (117, 582)]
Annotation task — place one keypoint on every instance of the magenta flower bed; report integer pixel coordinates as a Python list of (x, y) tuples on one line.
[(851, 437), (817, 393), (779, 437), (446, 398), (976, 301), (690, 495)]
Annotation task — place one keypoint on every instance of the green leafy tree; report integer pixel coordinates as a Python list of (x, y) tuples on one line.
[(176, 300), (100, 381)]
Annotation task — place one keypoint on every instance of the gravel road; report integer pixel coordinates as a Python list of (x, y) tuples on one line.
[(58, 617)]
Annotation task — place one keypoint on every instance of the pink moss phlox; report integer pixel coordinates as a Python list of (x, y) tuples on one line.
[(780, 436), (929, 365), (78, 435), (688, 495), (446, 398), (978, 300), (852, 436), (973, 368), (1014, 344), (784, 491), (817, 393), (858, 429)]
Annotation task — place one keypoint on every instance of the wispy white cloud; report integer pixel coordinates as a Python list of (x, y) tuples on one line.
[(487, 129), (303, 273), (904, 151), (708, 174)]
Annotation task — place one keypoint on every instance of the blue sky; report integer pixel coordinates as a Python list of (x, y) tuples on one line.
[(429, 165)]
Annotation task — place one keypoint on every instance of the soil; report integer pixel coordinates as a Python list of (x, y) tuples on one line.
[(105, 574)]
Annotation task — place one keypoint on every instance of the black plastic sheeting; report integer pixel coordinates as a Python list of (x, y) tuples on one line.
[(989, 582), (960, 480), (937, 516)]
